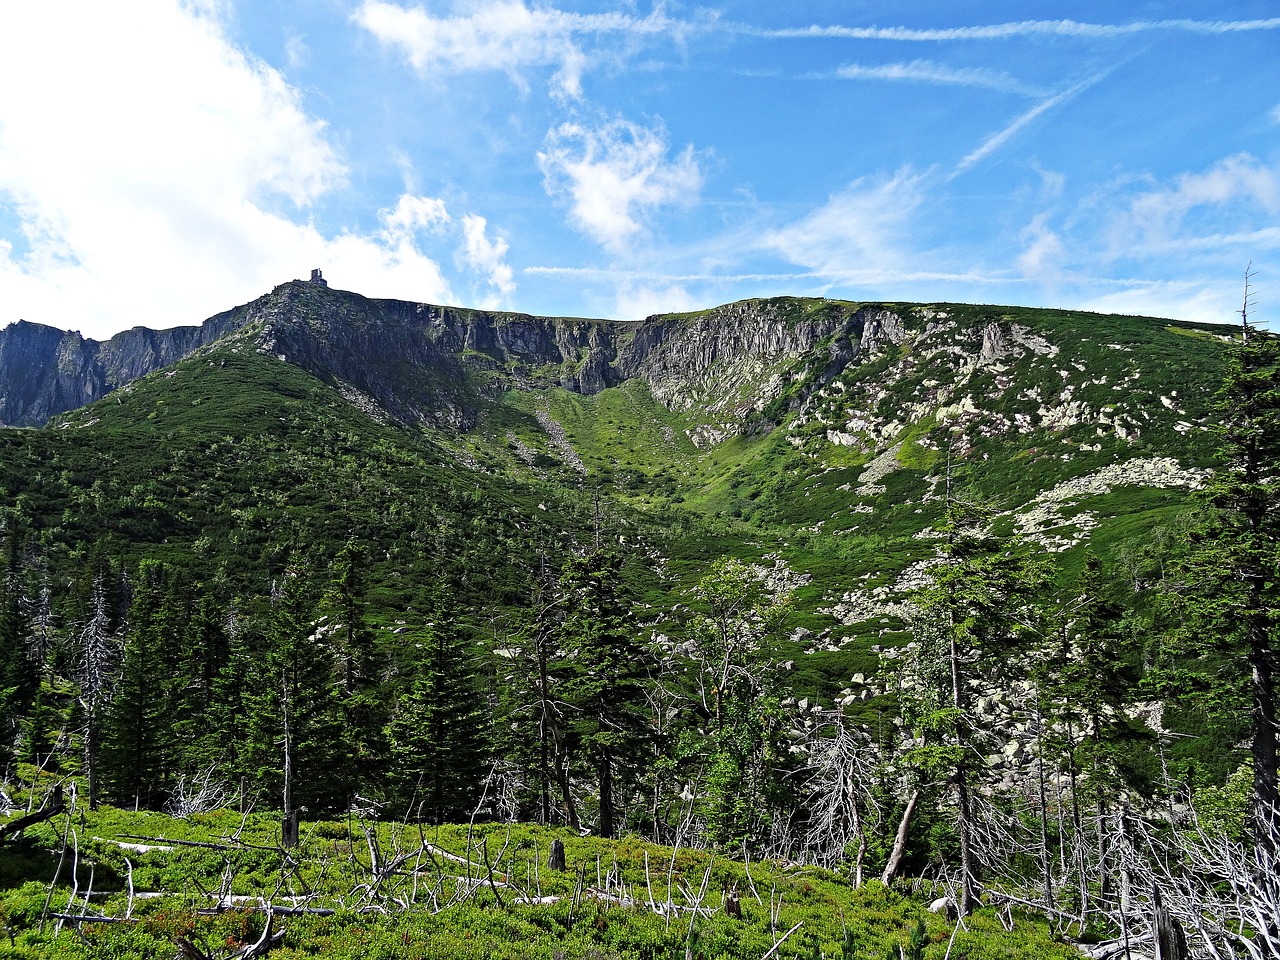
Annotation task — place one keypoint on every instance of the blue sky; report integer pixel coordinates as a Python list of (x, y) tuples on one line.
[(161, 161)]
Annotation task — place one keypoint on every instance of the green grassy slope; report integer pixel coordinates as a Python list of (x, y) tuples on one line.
[(610, 903)]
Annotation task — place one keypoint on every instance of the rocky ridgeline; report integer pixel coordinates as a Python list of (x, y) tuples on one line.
[(866, 377), (1001, 379)]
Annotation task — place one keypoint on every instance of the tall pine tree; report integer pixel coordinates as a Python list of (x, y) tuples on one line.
[(137, 735), (1225, 605), (438, 749), (604, 672), (297, 747), (970, 612)]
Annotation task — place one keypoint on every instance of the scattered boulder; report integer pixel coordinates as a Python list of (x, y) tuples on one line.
[(945, 906)]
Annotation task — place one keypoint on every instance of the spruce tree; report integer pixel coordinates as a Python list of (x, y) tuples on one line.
[(1222, 647), (299, 749), (137, 735), (360, 667), (969, 614), (96, 655), (438, 749), (604, 671), (202, 656), (19, 675), (736, 691)]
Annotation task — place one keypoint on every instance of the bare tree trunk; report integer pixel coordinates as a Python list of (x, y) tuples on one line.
[(91, 760), (604, 769), (555, 861), (566, 793), (1266, 790), (964, 808), (1046, 862), (968, 863), (288, 746), (899, 850), (544, 727)]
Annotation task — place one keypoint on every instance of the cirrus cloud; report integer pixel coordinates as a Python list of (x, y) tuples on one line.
[(863, 229), (928, 71), (1235, 201), (505, 35)]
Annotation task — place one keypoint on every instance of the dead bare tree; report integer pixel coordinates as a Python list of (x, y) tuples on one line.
[(199, 792), (1225, 893), (842, 806), (96, 655)]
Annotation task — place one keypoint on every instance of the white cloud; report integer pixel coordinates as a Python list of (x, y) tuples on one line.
[(160, 174), (1043, 252), (1197, 301), (1052, 183), (486, 256), (637, 301), (616, 176), (411, 214), (1233, 202), (504, 35), (927, 71), (296, 51), (863, 230)]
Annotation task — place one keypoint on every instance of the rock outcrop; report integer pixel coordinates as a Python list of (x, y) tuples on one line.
[(45, 371)]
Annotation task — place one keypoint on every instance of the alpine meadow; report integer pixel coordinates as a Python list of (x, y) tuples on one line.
[(796, 627)]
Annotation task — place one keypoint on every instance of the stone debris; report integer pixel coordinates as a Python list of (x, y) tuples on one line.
[(555, 432)]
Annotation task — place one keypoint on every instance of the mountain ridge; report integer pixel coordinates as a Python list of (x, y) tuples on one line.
[(436, 364)]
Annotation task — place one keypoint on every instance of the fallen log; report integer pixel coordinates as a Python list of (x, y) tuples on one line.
[(16, 827), (237, 845), (89, 918), (137, 847)]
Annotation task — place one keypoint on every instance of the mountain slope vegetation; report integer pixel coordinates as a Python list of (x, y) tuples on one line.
[(685, 579)]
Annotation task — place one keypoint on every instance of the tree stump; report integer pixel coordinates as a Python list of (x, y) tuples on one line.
[(732, 905), (1171, 942), (289, 829), (556, 860)]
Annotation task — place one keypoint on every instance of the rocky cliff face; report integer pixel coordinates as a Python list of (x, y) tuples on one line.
[(424, 363), (44, 371)]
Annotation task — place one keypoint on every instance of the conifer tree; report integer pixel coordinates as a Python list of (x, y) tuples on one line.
[(47, 717), (530, 721), (1223, 645), (137, 736), (19, 676), (737, 692), (97, 651), (203, 655), (230, 720), (1087, 681), (297, 747), (603, 670), (360, 666), (970, 612), (1247, 492), (438, 746)]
